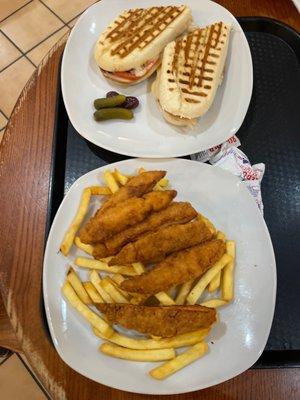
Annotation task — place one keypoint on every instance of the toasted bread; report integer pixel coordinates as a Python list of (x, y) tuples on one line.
[(191, 70), (137, 37)]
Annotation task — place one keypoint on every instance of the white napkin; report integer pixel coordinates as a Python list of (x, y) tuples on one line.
[(230, 158)]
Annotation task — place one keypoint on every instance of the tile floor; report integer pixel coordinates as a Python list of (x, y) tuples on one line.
[(16, 383), (28, 30)]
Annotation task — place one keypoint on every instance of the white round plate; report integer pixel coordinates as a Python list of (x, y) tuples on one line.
[(239, 338), (148, 134)]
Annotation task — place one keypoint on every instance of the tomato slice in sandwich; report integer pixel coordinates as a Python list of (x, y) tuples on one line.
[(126, 75)]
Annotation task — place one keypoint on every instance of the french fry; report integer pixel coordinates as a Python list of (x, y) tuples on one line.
[(117, 278), (110, 181), (158, 187), (113, 292), (77, 285), (96, 281), (154, 337), (164, 182), (100, 190), (227, 276), (215, 282), (84, 310), (77, 221), (122, 179), (82, 246), (103, 266), (182, 360), (198, 289), (165, 299), (139, 268), (106, 259), (183, 292), (214, 303), (92, 292), (221, 236), (186, 339), (137, 355), (138, 298)]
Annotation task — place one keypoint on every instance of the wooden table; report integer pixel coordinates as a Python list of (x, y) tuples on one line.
[(24, 186)]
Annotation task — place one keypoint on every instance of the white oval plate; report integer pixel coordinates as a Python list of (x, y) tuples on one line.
[(236, 341), (148, 134)]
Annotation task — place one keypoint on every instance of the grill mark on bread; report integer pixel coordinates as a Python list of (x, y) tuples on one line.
[(201, 94), (134, 33), (214, 55), (208, 45), (162, 20), (195, 58), (187, 47), (132, 18), (194, 61), (218, 34), (136, 24), (178, 45), (188, 100)]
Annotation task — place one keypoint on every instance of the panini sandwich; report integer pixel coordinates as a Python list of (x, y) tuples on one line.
[(129, 50), (191, 71)]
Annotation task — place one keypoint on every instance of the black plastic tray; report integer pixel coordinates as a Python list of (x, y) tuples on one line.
[(269, 134)]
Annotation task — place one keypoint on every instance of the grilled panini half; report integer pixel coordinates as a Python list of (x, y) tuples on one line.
[(129, 50), (191, 71)]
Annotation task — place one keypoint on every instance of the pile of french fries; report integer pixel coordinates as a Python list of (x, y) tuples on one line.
[(106, 289)]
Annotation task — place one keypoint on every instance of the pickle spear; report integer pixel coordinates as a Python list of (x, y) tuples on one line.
[(112, 113), (107, 102)]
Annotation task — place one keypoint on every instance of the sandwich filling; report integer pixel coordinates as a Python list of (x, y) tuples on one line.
[(178, 120), (172, 118), (133, 74)]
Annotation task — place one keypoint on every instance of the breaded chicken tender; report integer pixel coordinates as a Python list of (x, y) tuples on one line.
[(155, 246), (166, 321), (115, 219), (175, 213), (177, 268), (136, 186)]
